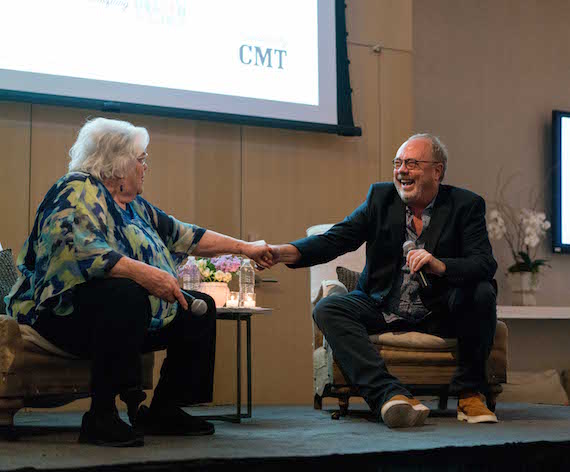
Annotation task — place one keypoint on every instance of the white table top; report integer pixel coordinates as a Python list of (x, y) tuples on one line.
[(505, 312), (258, 310)]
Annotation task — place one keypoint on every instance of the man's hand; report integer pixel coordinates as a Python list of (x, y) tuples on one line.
[(286, 253), (259, 251), (420, 258)]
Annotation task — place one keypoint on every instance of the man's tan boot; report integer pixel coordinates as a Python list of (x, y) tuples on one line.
[(471, 408), (403, 412)]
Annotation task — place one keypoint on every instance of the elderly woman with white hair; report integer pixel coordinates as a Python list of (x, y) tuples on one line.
[(99, 281)]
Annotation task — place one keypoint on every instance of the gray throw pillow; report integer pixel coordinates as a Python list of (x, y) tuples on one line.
[(349, 278), (8, 276)]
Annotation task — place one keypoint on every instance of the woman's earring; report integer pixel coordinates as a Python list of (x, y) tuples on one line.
[(121, 188)]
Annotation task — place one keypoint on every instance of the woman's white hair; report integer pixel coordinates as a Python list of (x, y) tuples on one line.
[(107, 148)]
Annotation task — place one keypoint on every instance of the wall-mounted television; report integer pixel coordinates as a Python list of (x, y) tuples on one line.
[(561, 181), (280, 63)]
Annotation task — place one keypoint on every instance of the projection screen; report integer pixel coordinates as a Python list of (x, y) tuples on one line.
[(272, 62)]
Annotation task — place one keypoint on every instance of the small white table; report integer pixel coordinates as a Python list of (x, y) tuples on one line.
[(238, 315)]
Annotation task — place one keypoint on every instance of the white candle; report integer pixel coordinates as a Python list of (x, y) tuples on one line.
[(249, 300), (233, 300)]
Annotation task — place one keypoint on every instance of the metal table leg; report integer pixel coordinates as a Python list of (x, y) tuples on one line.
[(236, 418), (248, 327), (238, 364)]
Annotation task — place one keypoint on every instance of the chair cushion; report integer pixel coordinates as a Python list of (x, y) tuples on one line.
[(349, 278), (414, 341), (408, 341)]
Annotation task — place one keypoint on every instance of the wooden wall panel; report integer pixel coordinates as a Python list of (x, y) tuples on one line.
[(397, 105), (380, 21), (14, 174), (54, 130)]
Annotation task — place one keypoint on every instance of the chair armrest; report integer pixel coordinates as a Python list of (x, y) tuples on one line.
[(11, 343), (329, 287)]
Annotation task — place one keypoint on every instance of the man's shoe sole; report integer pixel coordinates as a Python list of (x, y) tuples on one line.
[(401, 414), (477, 419)]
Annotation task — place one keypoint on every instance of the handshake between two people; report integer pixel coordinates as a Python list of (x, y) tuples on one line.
[(266, 255)]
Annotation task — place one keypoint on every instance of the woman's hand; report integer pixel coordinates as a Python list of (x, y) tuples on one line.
[(158, 282), (260, 252), (162, 285)]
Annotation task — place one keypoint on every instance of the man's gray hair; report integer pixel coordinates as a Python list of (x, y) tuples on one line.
[(438, 149), (107, 148)]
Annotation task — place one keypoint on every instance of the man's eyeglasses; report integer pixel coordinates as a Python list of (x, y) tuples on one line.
[(411, 164), (142, 159)]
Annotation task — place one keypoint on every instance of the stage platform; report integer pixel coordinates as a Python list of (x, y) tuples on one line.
[(528, 437)]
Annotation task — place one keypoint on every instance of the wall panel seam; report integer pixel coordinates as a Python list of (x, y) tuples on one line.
[(28, 221)]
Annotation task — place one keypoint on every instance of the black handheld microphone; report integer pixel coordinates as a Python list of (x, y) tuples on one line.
[(407, 247), (195, 305)]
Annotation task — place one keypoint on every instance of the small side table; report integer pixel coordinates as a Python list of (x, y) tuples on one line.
[(238, 315)]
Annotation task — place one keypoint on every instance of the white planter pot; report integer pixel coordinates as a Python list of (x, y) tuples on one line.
[(524, 286), (217, 290)]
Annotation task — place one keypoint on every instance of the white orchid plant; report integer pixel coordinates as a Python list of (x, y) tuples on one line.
[(522, 230)]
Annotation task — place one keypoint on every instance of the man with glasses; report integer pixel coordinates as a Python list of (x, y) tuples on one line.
[(429, 268)]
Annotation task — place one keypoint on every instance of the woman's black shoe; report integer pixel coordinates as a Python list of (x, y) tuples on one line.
[(171, 421), (107, 429)]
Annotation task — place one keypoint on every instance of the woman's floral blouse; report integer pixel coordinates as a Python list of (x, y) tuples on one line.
[(80, 233)]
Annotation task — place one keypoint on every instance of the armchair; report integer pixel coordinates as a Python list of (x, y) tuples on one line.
[(425, 363), (34, 372)]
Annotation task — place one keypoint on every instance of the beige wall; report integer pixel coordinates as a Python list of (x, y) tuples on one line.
[(488, 74), (245, 181)]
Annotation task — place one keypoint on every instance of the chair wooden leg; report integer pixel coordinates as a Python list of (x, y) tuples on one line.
[(318, 402), (443, 396), (343, 405), (492, 401), (8, 408), (342, 408)]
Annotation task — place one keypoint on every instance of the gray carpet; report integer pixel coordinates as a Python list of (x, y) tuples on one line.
[(49, 440)]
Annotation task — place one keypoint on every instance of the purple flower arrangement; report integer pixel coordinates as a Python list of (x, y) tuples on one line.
[(215, 269), (227, 263)]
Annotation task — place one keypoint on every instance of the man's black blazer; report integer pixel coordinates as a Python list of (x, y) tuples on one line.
[(457, 235)]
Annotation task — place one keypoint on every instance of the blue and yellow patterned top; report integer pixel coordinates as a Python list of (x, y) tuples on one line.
[(80, 233)]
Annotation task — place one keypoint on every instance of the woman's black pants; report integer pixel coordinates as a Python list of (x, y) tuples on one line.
[(109, 325)]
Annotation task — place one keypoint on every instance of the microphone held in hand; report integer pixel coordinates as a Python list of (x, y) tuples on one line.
[(407, 247), (196, 306)]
